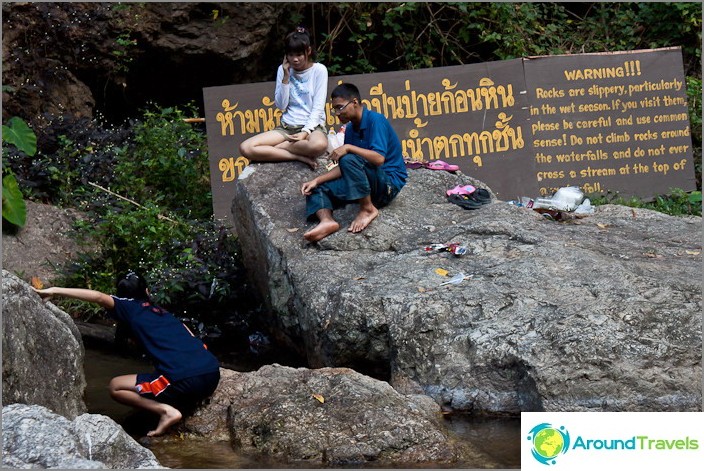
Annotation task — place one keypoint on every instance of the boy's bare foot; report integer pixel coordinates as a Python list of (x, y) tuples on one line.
[(169, 417), (321, 231), (363, 219)]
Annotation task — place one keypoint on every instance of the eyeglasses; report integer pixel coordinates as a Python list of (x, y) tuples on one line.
[(338, 109)]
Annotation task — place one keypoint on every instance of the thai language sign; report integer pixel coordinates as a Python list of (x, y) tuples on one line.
[(525, 127)]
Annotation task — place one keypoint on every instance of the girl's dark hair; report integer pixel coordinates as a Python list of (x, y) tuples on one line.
[(298, 42), (132, 286), (346, 91)]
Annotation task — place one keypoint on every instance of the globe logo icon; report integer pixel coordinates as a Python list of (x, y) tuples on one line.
[(548, 442)]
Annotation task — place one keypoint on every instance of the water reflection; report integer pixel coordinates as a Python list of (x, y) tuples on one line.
[(498, 438)]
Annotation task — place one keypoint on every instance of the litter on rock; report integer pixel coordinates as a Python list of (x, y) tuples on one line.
[(457, 279), (566, 200), (454, 248)]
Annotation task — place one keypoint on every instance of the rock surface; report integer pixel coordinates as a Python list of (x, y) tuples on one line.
[(600, 313), (35, 437), (328, 416), (42, 352), (43, 244), (120, 55)]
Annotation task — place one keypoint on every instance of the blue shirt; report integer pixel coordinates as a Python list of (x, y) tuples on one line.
[(175, 352), (375, 133)]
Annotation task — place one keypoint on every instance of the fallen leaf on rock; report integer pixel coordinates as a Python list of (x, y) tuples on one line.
[(441, 271), (319, 398), (602, 226), (421, 289), (292, 229), (37, 282), (357, 278)]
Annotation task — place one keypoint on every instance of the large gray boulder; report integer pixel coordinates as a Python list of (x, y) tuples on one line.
[(35, 437), (599, 313), (326, 416), (42, 352)]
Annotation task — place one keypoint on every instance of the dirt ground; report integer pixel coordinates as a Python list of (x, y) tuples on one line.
[(42, 244)]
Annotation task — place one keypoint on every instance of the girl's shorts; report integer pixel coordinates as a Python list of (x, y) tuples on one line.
[(183, 393), (288, 130)]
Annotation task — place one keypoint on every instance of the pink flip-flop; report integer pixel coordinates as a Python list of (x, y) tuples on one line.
[(461, 190), (440, 165), (413, 163)]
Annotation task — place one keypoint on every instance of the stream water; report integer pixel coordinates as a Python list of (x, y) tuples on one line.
[(499, 438)]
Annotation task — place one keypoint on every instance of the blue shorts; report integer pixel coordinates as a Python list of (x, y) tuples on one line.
[(181, 394)]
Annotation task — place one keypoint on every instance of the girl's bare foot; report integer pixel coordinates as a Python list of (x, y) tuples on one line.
[(312, 162), (321, 231), (169, 417), (363, 219)]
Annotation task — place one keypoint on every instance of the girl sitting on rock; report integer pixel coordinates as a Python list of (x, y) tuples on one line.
[(301, 92)]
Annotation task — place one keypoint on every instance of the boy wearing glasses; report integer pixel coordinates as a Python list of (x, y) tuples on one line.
[(371, 169)]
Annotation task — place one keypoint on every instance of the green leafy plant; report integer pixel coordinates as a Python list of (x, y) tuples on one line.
[(167, 163), (19, 134), (677, 203), (150, 212)]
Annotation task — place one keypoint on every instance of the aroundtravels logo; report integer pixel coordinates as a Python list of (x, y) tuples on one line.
[(548, 442)]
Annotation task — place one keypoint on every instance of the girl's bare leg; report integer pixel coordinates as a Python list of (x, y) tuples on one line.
[(122, 389), (271, 146)]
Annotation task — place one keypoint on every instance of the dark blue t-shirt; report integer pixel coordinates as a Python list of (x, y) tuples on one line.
[(175, 352), (375, 133)]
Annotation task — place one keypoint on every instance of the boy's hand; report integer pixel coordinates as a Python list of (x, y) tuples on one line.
[(308, 187), (338, 153)]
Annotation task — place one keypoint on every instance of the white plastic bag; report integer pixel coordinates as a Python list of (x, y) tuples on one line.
[(336, 139)]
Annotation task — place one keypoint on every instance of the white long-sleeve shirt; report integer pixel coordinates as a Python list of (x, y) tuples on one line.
[(302, 100)]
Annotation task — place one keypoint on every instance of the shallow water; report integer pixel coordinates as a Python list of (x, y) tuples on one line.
[(497, 437)]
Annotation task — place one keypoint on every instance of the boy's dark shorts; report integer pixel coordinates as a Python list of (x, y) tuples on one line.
[(184, 393)]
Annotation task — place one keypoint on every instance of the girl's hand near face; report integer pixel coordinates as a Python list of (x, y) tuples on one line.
[(287, 69)]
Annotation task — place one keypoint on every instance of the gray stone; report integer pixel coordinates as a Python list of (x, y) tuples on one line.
[(42, 352), (35, 437), (327, 416), (598, 313)]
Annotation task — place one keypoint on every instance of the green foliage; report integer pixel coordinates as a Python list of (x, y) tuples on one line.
[(14, 209), (677, 203), (694, 99), (167, 164), (361, 37), (19, 134), (152, 214)]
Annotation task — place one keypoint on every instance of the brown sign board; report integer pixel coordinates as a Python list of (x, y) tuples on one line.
[(610, 121), (525, 127)]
